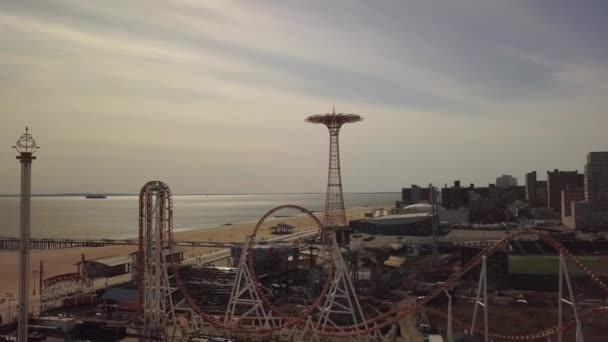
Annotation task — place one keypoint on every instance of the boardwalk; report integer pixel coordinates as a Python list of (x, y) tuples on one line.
[(13, 243), (7, 243)]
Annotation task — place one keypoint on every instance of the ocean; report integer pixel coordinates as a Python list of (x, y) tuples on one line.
[(76, 217)]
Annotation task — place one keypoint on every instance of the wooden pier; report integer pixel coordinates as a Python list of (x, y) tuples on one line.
[(10, 243), (13, 243)]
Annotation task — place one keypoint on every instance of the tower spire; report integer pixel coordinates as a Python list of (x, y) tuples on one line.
[(333, 105), (335, 217), (341, 303), (26, 146)]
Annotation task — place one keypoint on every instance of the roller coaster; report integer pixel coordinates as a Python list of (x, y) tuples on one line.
[(265, 320), (272, 322)]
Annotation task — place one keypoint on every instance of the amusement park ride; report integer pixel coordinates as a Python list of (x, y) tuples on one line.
[(252, 314)]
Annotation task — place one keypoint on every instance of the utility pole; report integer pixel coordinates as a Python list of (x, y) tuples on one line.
[(35, 273), (433, 195), (26, 146)]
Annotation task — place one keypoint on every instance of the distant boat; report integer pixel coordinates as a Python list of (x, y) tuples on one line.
[(95, 196)]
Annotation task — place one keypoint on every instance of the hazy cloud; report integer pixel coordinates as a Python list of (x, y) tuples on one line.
[(211, 96)]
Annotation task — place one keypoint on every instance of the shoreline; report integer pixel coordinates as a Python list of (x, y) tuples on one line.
[(226, 225), (60, 261)]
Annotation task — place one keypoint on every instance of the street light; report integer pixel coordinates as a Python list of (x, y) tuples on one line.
[(35, 272)]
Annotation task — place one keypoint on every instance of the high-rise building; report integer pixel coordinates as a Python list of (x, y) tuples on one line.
[(557, 181), (596, 177), (593, 212), (531, 187), (536, 191), (542, 196), (415, 194), (456, 197), (506, 181)]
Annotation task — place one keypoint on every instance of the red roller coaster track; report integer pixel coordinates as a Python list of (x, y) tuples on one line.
[(288, 321), (392, 316), (386, 319), (527, 337)]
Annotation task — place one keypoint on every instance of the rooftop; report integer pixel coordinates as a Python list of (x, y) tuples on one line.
[(399, 219), (110, 261), (394, 261), (120, 294), (176, 250)]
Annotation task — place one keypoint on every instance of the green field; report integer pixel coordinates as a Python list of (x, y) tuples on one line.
[(547, 265)]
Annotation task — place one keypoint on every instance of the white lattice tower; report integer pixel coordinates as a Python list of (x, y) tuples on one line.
[(341, 300), (563, 274), (155, 244), (245, 301), (481, 299), (307, 333), (449, 329)]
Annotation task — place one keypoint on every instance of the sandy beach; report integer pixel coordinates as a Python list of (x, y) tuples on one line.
[(62, 261)]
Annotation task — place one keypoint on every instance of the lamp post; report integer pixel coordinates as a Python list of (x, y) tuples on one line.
[(26, 146), (35, 273)]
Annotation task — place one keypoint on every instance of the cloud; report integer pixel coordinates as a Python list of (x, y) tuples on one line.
[(220, 89)]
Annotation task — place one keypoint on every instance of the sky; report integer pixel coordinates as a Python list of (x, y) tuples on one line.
[(211, 96)]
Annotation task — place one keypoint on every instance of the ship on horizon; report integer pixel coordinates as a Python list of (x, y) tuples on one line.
[(95, 196)]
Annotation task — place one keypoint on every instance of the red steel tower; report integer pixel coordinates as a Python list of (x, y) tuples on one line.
[(335, 217)]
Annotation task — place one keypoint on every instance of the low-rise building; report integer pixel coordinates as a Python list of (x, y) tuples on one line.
[(281, 229), (105, 267), (403, 224), (174, 255), (544, 214), (120, 299), (593, 216)]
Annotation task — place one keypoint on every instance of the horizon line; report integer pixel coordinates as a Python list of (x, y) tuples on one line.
[(70, 194)]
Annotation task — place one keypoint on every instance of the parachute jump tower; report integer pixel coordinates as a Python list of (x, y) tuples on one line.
[(341, 300), (335, 218)]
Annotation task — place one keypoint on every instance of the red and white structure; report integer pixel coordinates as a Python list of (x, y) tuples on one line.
[(155, 243), (335, 216), (336, 313), (26, 146), (56, 289), (342, 298)]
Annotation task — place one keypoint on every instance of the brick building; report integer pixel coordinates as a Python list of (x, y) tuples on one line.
[(536, 191), (415, 194), (557, 181), (569, 198), (456, 197)]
